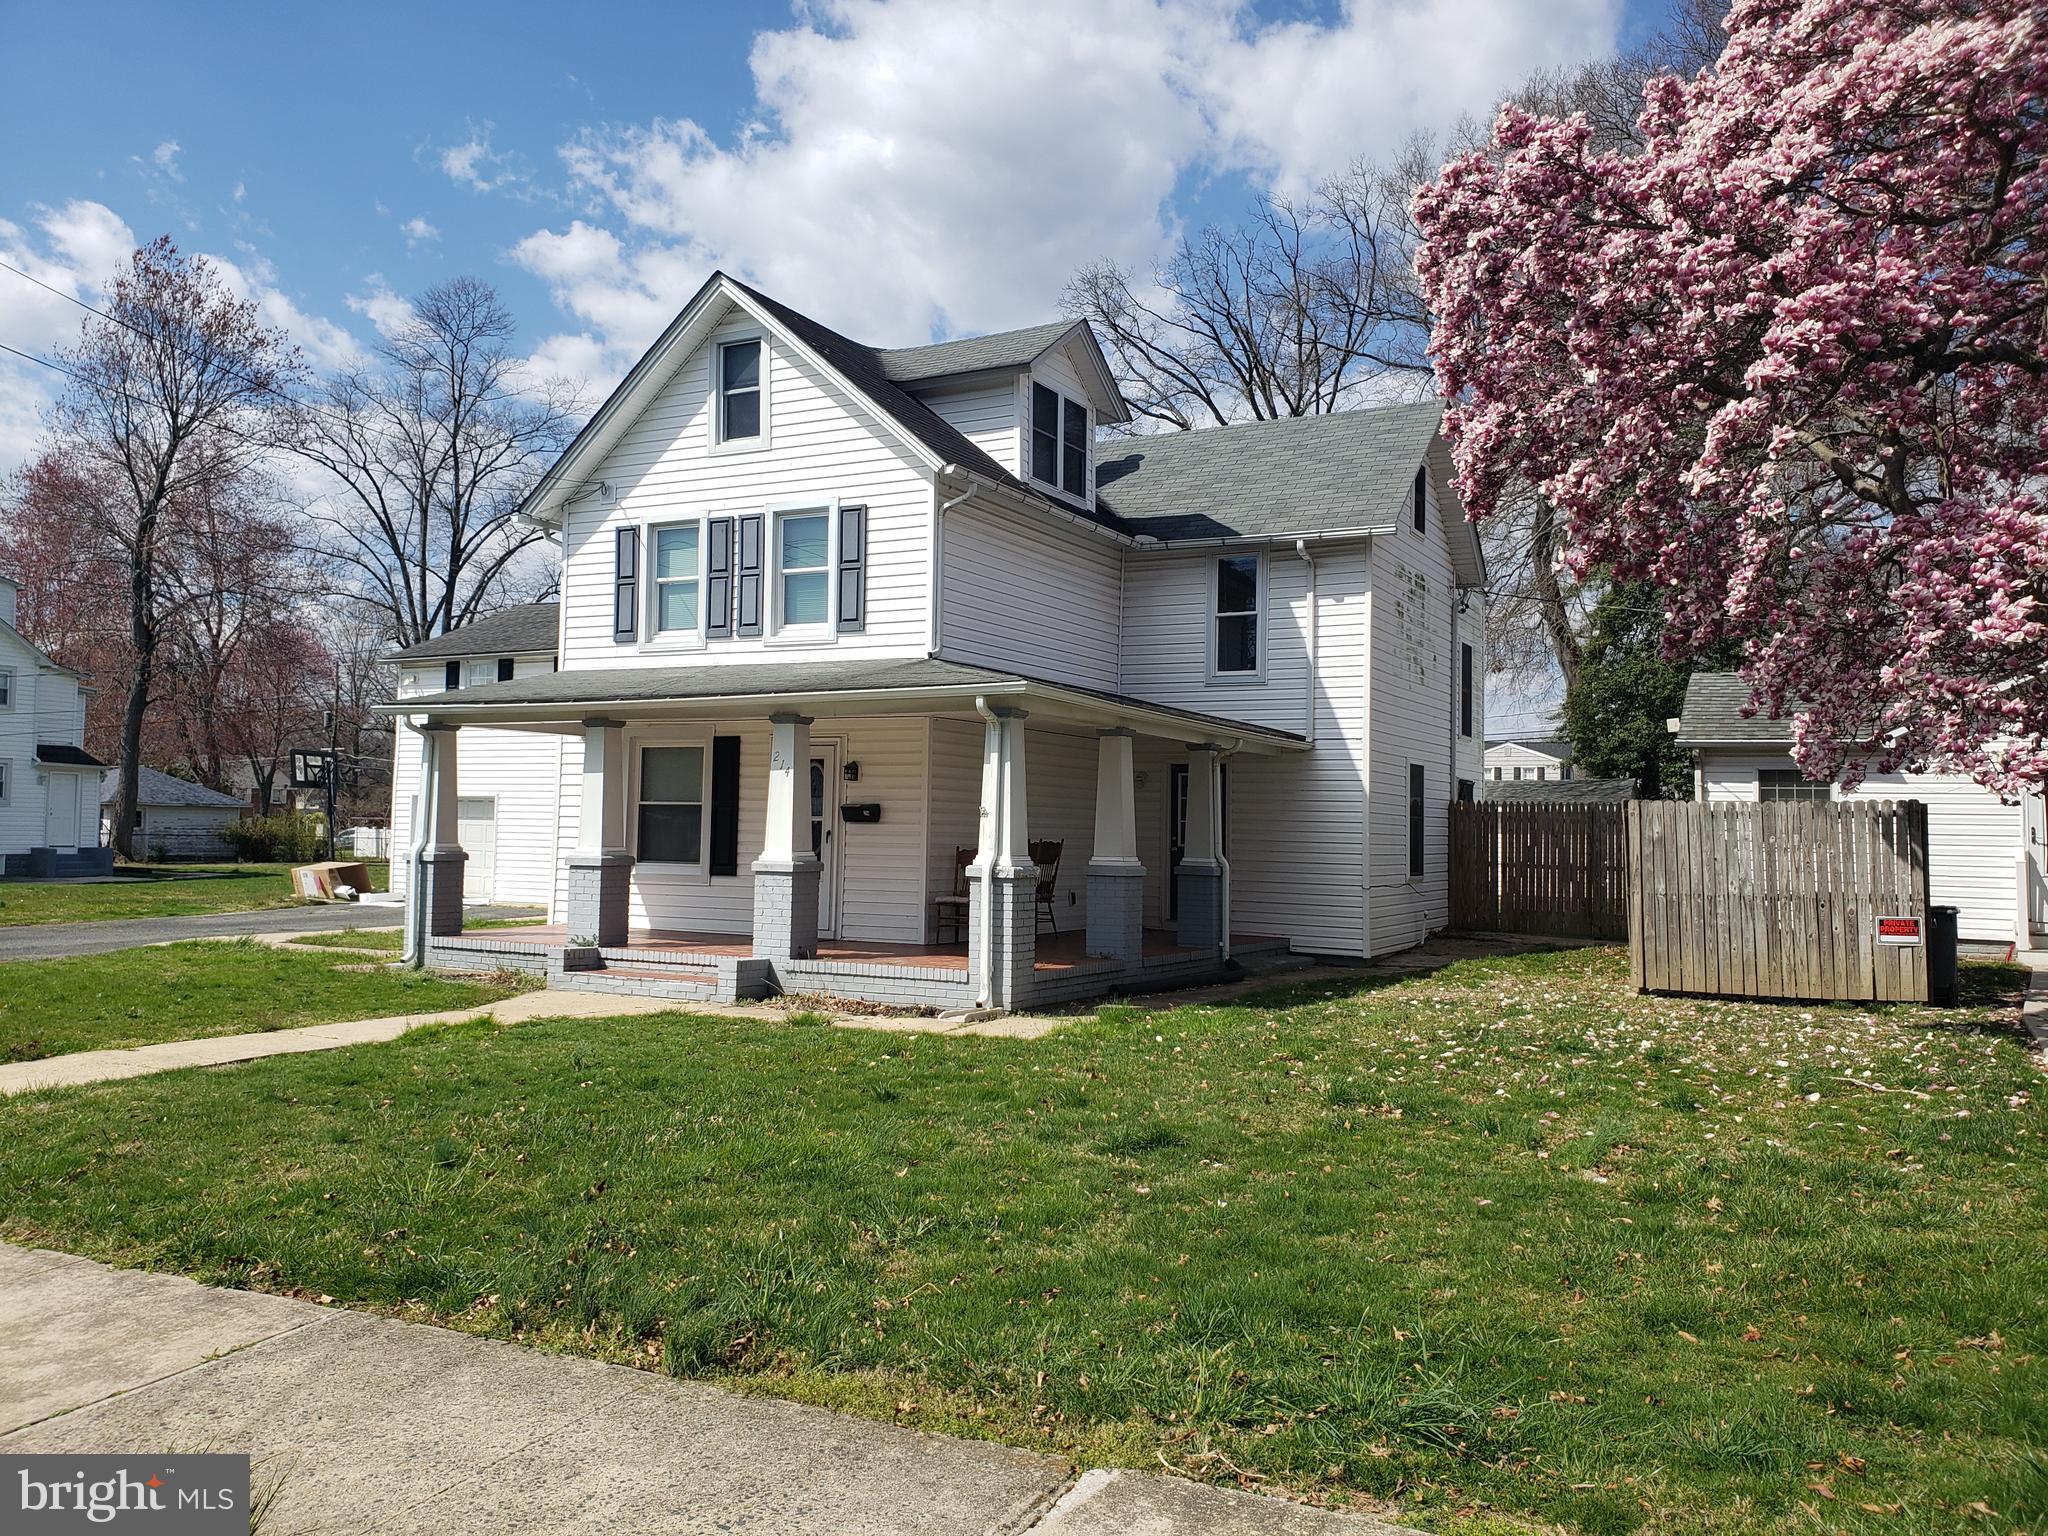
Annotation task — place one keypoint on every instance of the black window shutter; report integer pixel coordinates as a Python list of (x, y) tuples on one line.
[(718, 577), (626, 585), (853, 570), (1465, 690), (452, 675), (1421, 499), (725, 805), (504, 669), (1417, 791), (747, 577)]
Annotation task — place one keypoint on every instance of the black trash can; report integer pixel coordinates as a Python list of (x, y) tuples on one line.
[(1941, 956)]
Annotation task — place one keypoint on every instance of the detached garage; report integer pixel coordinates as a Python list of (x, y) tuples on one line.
[(174, 818)]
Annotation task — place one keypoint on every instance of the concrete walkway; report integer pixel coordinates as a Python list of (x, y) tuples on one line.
[(105, 1066), (370, 1425), (53, 941), (2034, 1007)]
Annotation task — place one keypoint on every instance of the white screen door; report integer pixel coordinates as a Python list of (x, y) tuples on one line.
[(61, 813)]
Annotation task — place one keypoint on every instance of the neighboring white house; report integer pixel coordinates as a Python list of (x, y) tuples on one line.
[(1538, 761), (49, 783), (1984, 854), (846, 631), (511, 780), (174, 818)]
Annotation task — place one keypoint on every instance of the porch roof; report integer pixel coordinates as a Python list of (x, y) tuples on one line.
[(918, 685)]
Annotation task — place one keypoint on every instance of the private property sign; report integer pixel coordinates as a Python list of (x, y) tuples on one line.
[(1898, 930)]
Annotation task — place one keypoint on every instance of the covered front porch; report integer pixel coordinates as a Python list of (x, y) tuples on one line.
[(987, 843)]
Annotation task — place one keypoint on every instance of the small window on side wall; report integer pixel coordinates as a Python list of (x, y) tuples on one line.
[(739, 391), (1418, 788), (1237, 615), (6, 688), (1421, 500), (1791, 785)]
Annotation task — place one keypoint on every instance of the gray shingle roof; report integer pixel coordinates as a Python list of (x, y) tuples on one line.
[(553, 693), (1552, 746), (160, 789), (1557, 791), (1300, 474), (1712, 715), (970, 354), (516, 631)]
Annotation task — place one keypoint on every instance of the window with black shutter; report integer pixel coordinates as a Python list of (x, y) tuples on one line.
[(1464, 689), (504, 669), (452, 676), (725, 805), (747, 576), (1421, 499), (718, 577)]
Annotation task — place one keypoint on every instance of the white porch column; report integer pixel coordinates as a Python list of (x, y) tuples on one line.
[(1116, 878), (600, 870), (1002, 916), (434, 898), (1203, 876), (786, 873)]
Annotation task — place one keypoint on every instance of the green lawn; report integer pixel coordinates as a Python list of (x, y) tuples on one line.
[(1504, 1239), (390, 940), (165, 890), (191, 991)]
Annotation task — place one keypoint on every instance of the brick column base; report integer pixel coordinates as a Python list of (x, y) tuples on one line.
[(1201, 904), (440, 892), (1116, 911), (599, 896), (1013, 933), (786, 909)]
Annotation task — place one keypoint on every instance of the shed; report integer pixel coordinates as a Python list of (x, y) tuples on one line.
[(174, 818)]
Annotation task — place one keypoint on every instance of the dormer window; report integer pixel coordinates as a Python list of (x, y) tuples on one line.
[(739, 391), (1059, 441)]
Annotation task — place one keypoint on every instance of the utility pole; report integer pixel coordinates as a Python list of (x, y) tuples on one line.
[(333, 762)]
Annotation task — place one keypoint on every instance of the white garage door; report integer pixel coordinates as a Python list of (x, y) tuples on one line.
[(476, 828)]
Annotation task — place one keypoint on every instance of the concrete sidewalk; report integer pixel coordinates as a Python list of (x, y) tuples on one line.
[(54, 941), (107, 1066), (370, 1425)]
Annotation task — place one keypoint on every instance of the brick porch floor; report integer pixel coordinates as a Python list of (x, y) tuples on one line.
[(1061, 952)]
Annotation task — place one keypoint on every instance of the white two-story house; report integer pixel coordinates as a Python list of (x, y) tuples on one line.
[(883, 673), (49, 783)]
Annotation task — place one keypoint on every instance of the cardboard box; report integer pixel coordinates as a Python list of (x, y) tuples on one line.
[(318, 882)]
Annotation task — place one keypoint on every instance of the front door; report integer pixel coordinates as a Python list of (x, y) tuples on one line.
[(1177, 829), (2036, 813), (60, 828), (824, 791), (476, 828)]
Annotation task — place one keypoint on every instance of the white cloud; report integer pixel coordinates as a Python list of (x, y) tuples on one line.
[(379, 305), (922, 167), (77, 249), (165, 158), (475, 164), (418, 230)]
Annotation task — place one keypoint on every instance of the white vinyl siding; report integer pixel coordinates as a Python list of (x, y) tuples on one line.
[(826, 447), (1972, 836), (1169, 610), (1030, 594), (520, 770), (985, 416)]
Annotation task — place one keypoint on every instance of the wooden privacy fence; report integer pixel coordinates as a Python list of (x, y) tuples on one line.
[(1777, 899), (1558, 869)]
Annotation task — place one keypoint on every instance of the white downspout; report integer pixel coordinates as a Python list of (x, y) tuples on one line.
[(934, 635), (985, 855), (1309, 637)]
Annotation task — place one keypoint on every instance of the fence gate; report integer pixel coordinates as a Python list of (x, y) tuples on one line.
[(1778, 899), (1559, 869)]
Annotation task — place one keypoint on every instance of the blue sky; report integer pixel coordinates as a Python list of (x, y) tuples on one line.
[(901, 168)]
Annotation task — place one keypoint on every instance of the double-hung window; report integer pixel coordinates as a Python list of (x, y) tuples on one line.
[(6, 688), (479, 671), (1059, 441), (739, 391), (6, 780), (671, 821), (803, 572), (676, 575), (1238, 582)]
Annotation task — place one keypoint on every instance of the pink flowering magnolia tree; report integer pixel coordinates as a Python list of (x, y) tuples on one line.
[(1786, 363)]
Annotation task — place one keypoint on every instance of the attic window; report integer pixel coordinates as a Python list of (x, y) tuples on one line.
[(739, 390), (1059, 441), (1421, 499)]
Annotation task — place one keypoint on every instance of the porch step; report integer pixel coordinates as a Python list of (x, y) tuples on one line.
[(670, 981)]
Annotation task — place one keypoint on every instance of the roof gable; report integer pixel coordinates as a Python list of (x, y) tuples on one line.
[(1712, 715)]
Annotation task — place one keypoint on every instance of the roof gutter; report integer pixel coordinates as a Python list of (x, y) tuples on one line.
[(1146, 544), (995, 492)]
